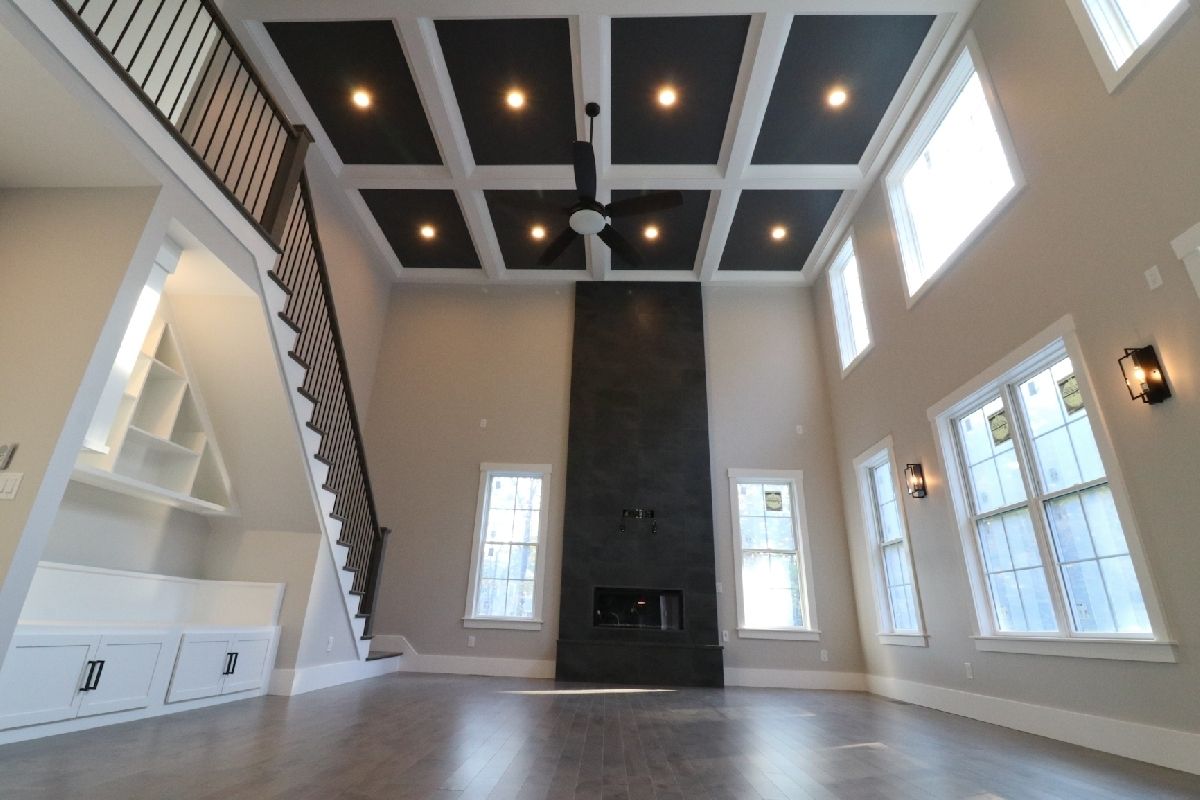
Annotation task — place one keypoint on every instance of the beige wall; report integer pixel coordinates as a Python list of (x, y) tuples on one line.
[(450, 357), (764, 380), (65, 304), (1110, 181)]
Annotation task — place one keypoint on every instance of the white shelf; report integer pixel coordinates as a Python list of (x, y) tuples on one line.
[(123, 484), (162, 444)]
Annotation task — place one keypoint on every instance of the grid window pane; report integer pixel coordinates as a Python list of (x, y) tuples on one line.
[(503, 493), (507, 568), (993, 471), (849, 307), (1124, 25), (953, 183), (898, 598), (1125, 595), (772, 591)]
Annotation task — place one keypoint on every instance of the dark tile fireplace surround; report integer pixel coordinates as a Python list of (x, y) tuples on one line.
[(638, 580)]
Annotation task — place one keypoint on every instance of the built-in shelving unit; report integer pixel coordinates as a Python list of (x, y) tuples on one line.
[(160, 445)]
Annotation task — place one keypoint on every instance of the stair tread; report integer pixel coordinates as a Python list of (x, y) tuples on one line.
[(375, 655)]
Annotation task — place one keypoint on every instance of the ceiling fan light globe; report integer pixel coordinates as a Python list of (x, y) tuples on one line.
[(587, 221)]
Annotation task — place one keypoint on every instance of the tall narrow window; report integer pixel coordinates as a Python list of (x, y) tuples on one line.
[(507, 564), (1119, 33), (1051, 555), (951, 177), (773, 577), (889, 551), (849, 309)]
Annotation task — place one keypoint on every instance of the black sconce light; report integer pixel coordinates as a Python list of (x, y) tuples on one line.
[(914, 480), (1144, 376)]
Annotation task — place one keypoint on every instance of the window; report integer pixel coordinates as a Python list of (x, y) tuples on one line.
[(849, 310), (1119, 33), (506, 563), (773, 569), (1049, 545), (888, 548), (952, 177)]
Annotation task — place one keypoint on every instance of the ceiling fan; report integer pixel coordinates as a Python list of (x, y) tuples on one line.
[(588, 217)]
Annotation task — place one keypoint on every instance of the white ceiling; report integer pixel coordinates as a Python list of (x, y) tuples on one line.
[(49, 139), (590, 37)]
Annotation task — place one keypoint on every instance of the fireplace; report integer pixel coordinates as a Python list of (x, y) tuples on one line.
[(656, 609)]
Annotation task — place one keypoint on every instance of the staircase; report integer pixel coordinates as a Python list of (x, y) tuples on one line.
[(182, 60)]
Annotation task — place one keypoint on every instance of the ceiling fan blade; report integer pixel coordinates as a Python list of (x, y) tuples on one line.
[(585, 170), (659, 201), (524, 201), (557, 247), (620, 245)]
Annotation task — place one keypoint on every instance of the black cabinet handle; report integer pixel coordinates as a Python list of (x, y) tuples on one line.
[(87, 682), (233, 666), (99, 672), (228, 664)]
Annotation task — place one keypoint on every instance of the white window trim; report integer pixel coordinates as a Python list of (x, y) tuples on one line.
[(1112, 76), (1187, 247), (1046, 346), (470, 618), (795, 478), (887, 633), (841, 323), (968, 59)]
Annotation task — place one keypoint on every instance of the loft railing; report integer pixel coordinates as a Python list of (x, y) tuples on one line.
[(181, 58), (309, 310)]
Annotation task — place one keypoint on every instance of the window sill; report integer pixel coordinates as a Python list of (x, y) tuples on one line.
[(501, 623), (791, 634), (1111, 649), (905, 639)]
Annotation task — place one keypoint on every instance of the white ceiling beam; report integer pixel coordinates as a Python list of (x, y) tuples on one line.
[(764, 50), (716, 231), (593, 64)]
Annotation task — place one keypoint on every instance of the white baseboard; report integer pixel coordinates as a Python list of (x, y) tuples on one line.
[(412, 661), (289, 682), (795, 679), (1162, 746)]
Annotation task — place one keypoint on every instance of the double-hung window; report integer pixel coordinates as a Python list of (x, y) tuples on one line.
[(774, 578), (507, 561), (956, 172), (1047, 534), (888, 547), (1119, 33), (849, 308)]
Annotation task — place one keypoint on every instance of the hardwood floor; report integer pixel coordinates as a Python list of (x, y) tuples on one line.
[(429, 736)]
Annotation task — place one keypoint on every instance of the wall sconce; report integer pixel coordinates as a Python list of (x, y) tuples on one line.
[(914, 480), (1144, 376)]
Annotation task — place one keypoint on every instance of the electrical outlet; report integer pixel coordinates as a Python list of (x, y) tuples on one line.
[(969, 669), (1153, 278), (799, 430), (483, 423), (824, 655), (329, 644), (724, 636), (470, 641)]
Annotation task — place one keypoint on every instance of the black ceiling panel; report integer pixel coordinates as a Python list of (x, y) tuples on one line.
[(868, 55), (402, 212), (330, 60), (514, 213), (700, 58), (804, 215), (488, 57), (679, 231)]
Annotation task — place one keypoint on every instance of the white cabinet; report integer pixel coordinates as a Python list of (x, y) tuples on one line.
[(49, 677), (211, 663)]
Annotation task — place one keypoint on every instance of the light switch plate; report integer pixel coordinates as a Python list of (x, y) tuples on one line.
[(7, 451), (10, 482), (1153, 278)]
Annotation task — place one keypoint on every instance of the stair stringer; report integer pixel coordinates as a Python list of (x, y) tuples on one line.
[(284, 338)]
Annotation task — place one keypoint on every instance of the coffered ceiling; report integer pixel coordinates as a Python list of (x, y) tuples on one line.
[(451, 172)]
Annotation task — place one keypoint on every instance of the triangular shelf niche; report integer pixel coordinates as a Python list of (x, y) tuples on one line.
[(160, 445)]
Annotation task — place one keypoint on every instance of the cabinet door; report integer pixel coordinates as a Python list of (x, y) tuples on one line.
[(41, 678), (200, 666), (127, 666), (251, 663)]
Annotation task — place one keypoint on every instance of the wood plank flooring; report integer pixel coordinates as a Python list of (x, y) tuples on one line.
[(429, 736)]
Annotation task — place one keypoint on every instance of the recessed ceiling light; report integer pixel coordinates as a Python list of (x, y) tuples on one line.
[(515, 99), (667, 96), (428, 231), (837, 97), (361, 98), (650, 232), (779, 233), (537, 232)]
